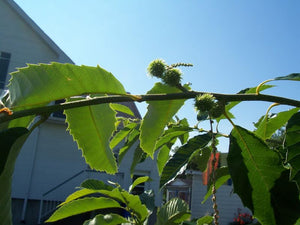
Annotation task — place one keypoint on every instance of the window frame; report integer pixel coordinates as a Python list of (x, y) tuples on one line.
[(5, 58)]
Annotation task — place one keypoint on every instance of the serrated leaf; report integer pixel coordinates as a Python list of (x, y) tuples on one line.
[(89, 186), (132, 202), (81, 206), (181, 157), (92, 127), (119, 136), (255, 171), (174, 211), (292, 76), (11, 142), (293, 146), (79, 194), (222, 175), (122, 108), (109, 219), (135, 204), (268, 125), (130, 141), (159, 113), (33, 85), (95, 185), (138, 181), (170, 134)]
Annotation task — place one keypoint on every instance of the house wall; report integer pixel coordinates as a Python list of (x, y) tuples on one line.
[(48, 158), (50, 166), (228, 202), (25, 45)]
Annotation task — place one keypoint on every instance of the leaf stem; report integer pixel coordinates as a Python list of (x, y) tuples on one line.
[(227, 117), (141, 98), (213, 164), (270, 107), (261, 84)]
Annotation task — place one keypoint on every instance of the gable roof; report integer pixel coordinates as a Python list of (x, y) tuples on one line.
[(62, 56), (51, 44)]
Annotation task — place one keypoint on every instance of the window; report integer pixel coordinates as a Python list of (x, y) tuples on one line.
[(139, 189), (59, 114), (182, 193), (4, 63)]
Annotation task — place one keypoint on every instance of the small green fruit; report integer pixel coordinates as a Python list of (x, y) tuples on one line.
[(217, 110), (157, 68), (172, 77), (205, 102)]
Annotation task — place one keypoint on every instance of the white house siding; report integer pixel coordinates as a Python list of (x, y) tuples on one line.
[(228, 202), (25, 45), (50, 161), (48, 158), (149, 168)]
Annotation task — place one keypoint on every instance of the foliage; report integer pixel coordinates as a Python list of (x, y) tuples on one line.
[(265, 177), (242, 218), (130, 208)]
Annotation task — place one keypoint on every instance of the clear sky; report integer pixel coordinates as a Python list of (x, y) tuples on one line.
[(233, 44)]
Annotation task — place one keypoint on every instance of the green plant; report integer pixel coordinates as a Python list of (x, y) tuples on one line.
[(130, 208), (271, 176)]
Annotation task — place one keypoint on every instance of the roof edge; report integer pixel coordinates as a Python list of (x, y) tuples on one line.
[(62, 55)]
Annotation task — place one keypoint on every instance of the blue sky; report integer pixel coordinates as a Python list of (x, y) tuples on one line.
[(233, 44)]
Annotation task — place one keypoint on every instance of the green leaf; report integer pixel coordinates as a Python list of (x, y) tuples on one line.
[(81, 206), (122, 108), (11, 142), (148, 199), (137, 182), (33, 85), (181, 157), (269, 125), (170, 134), (200, 158), (205, 220), (130, 141), (89, 186), (138, 157), (95, 185), (92, 127), (222, 175), (293, 146), (184, 138), (229, 106), (132, 202), (158, 115), (255, 171), (7, 139), (285, 200), (162, 158), (79, 194), (174, 211), (135, 204), (121, 135), (109, 219), (292, 76)]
